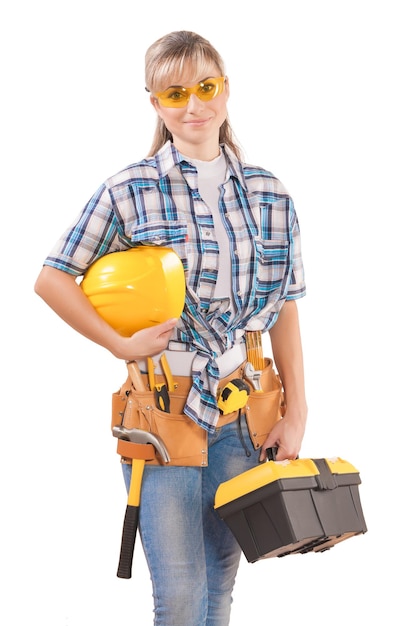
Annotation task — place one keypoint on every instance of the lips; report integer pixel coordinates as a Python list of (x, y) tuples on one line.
[(198, 122)]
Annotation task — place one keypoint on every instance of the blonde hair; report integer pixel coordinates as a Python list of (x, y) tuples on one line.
[(167, 58)]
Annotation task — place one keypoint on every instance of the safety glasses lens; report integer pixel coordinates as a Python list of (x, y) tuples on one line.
[(177, 97)]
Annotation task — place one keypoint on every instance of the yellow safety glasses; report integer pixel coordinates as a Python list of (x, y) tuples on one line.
[(177, 96)]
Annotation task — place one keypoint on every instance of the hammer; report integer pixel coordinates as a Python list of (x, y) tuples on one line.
[(134, 443)]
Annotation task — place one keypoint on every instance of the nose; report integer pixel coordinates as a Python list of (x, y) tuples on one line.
[(194, 103)]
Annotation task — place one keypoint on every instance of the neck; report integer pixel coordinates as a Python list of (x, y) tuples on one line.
[(201, 152)]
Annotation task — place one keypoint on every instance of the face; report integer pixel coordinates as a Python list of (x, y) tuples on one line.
[(195, 127)]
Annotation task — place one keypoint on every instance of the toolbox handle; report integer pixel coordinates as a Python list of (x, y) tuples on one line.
[(271, 453)]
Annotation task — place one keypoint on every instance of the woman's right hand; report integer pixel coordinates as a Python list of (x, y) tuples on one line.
[(146, 342)]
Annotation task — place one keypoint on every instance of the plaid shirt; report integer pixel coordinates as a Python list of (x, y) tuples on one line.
[(156, 202)]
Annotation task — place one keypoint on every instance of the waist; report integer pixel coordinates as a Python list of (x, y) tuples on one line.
[(181, 361)]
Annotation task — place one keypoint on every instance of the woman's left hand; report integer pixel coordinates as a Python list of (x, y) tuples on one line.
[(287, 436)]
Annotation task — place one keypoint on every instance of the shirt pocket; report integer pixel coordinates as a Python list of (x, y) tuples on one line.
[(273, 265), (161, 233)]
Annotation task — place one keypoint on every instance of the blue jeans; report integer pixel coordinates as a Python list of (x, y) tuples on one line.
[(192, 555)]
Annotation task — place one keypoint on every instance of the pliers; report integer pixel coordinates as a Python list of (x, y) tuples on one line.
[(161, 389)]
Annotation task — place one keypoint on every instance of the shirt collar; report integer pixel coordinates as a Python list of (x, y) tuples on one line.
[(168, 157)]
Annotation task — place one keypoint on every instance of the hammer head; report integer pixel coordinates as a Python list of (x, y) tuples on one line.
[(135, 435)]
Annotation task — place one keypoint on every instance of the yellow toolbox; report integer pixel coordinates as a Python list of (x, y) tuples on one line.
[(288, 507)]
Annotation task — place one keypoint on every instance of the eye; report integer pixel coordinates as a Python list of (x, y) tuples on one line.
[(206, 87), (175, 94)]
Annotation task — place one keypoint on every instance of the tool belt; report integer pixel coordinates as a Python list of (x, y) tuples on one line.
[(266, 406), (186, 441)]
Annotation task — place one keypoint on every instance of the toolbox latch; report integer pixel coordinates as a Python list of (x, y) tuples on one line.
[(325, 480)]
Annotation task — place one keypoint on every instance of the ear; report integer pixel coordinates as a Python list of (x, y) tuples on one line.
[(227, 87), (155, 103)]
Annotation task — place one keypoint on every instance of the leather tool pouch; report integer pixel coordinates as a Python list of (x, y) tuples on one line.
[(266, 407), (185, 441)]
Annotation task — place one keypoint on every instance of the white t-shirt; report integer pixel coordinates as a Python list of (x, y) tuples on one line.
[(211, 174)]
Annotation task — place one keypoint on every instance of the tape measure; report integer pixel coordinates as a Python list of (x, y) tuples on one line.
[(233, 396)]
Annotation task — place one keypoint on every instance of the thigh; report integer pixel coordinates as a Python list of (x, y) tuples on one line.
[(230, 453), (170, 513), (170, 526)]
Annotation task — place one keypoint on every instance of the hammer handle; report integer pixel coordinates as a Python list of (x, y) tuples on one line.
[(135, 375), (130, 527), (130, 524)]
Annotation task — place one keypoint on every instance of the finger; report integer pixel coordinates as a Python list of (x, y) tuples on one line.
[(165, 327), (285, 454), (263, 455), (170, 323)]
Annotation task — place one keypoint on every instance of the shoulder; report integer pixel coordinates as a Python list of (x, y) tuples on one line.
[(138, 173), (148, 172), (256, 179), (262, 181)]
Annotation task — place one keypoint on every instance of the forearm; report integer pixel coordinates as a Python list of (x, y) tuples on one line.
[(287, 434), (288, 356), (62, 293)]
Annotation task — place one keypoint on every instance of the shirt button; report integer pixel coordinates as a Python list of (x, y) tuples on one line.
[(208, 234)]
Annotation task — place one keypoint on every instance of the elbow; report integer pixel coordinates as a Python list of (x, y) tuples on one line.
[(52, 281), (48, 282), (38, 287)]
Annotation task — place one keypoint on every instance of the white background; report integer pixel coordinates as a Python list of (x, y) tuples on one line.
[(323, 94)]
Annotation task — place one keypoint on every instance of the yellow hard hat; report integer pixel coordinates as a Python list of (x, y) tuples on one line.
[(136, 288)]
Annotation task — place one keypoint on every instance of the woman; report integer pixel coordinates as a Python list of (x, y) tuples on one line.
[(235, 229)]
